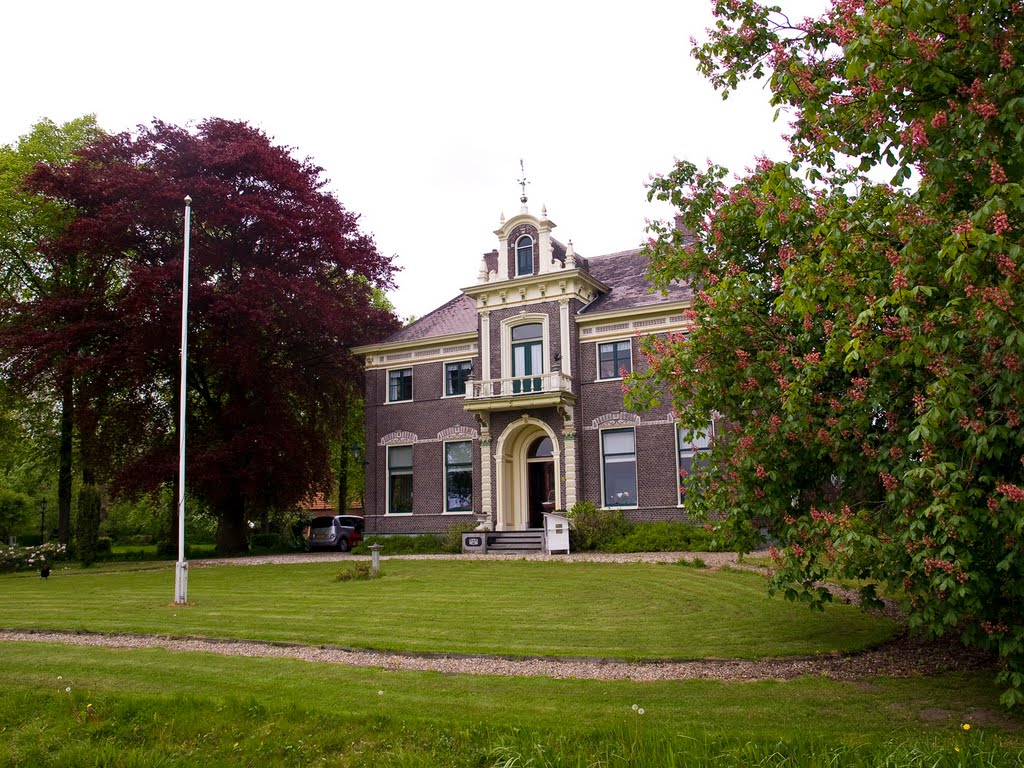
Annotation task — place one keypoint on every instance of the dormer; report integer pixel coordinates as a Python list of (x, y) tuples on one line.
[(525, 246), (529, 265)]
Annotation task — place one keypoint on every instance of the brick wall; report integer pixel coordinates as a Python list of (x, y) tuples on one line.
[(655, 440), (426, 417), (510, 248)]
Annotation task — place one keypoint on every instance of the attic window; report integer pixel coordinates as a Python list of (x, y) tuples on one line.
[(524, 255)]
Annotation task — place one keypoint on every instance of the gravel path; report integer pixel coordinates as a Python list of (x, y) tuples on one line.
[(902, 657)]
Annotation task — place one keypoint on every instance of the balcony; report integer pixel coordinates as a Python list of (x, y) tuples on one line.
[(544, 390)]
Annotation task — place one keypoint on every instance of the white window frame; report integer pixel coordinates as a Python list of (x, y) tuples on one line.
[(506, 340), (636, 453), (515, 254), (710, 431), (597, 358), (444, 462), (387, 476), (444, 375), (387, 384)]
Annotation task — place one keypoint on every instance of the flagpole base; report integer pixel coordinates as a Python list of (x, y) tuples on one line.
[(181, 582)]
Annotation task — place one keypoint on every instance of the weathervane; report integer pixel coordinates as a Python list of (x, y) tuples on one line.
[(522, 182)]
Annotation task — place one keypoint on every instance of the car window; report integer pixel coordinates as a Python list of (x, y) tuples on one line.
[(322, 522), (352, 521)]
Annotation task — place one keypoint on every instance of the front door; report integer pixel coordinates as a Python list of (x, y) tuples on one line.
[(541, 497)]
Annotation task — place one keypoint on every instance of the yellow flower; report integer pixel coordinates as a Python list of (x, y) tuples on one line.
[(967, 726)]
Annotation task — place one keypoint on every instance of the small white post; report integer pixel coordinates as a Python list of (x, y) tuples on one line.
[(181, 568), (375, 559)]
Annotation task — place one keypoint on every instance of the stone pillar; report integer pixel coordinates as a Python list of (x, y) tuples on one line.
[(485, 344), (564, 334)]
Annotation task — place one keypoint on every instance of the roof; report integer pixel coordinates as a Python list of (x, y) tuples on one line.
[(457, 316), (625, 273)]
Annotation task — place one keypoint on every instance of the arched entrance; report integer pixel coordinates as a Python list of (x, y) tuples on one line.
[(527, 476)]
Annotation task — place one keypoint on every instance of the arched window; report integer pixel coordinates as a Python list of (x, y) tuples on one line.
[(540, 449), (524, 255)]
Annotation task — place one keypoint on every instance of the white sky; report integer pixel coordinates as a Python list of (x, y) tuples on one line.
[(418, 112)]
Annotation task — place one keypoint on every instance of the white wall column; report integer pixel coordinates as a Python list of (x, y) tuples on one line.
[(485, 345), (563, 331)]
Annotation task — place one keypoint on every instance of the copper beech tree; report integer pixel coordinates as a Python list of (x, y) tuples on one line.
[(282, 284), (858, 320)]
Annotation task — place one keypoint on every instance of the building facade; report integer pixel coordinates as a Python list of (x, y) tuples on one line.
[(507, 401)]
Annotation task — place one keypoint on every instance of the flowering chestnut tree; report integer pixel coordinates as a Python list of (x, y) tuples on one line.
[(861, 340)]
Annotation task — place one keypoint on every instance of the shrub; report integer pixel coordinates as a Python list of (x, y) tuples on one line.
[(591, 528), (356, 572), (662, 537), (26, 558), (421, 544), (451, 542)]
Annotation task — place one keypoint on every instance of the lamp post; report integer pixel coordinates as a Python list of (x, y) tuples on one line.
[(181, 567), (42, 521)]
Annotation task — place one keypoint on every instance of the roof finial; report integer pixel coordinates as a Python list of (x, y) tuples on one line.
[(522, 183)]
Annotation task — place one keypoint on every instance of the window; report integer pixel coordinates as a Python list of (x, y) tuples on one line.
[(400, 385), (524, 255), (400, 480), (618, 463), (458, 476), (614, 359), (689, 445), (527, 357), (455, 377)]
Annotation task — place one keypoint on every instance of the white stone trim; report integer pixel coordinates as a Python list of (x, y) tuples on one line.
[(399, 436), (615, 419), (458, 432)]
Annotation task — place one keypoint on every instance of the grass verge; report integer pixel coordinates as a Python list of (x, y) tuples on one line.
[(68, 705)]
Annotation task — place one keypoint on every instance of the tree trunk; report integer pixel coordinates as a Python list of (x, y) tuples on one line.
[(87, 528), (67, 410), (345, 446), (232, 530)]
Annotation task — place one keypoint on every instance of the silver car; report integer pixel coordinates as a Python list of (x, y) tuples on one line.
[(340, 532)]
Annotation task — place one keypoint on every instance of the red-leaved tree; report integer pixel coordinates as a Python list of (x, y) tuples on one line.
[(282, 285)]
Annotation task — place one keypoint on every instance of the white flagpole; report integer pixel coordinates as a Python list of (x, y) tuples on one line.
[(181, 568)]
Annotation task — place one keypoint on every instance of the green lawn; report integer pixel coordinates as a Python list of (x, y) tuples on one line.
[(513, 607), (153, 707)]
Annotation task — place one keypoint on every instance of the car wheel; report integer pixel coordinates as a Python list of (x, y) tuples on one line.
[(343, 545)]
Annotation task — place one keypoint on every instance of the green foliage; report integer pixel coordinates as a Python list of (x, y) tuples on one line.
[(451, 542), (662, 537), (27, 558), (87, 525), (14, 511), (361, 571), (863, 341), (592, 528), (419, 544)]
